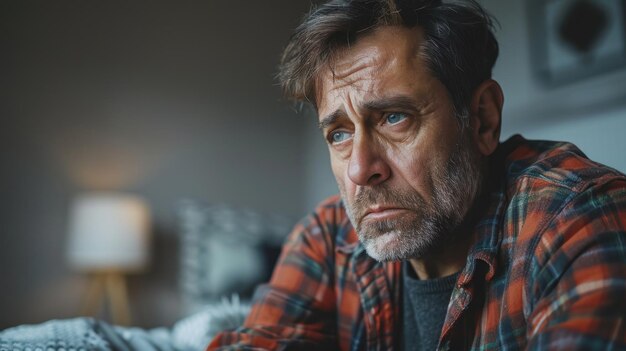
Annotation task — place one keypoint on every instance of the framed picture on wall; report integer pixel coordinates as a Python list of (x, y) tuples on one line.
[(575, 39)]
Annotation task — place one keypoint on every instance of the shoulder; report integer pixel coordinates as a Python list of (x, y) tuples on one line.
[(543, 178), (566, 212), (546, 179), (532, 165)]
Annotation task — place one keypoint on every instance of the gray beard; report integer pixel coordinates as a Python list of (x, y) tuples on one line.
[(427, 228)]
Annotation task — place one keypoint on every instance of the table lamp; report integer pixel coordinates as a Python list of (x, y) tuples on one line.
[(108, 237)]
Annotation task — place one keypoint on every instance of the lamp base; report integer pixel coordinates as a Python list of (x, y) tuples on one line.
[(108, 287)]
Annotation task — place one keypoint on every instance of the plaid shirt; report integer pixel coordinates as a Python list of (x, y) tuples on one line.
[(547, 269)]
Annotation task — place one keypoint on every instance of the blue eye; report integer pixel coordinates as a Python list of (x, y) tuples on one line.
[(339, 136), (394, 118)]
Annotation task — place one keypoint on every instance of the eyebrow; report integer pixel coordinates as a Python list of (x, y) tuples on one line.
[(394, 102), (329, 120)]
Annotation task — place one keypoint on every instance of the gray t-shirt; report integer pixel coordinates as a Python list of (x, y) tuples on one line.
[(425, 306)]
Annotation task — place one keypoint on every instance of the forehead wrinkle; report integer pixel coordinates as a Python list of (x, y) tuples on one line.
[(356, 67), (358, 86), (361, 84), (368, 58)]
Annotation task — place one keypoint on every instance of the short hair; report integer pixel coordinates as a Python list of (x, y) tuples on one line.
[(459, 46)]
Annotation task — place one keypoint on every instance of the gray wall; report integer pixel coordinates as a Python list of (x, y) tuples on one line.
[(591, 113), (166, 99)]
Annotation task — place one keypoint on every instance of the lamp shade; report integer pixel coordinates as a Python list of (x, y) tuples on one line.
[(108, 231)]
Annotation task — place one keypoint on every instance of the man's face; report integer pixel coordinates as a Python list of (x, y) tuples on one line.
[(406, 171)]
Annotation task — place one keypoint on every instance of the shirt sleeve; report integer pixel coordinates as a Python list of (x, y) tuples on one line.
[(296, 310), (578, 289)]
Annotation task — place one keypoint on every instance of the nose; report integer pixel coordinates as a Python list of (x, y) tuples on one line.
[(367, 165)]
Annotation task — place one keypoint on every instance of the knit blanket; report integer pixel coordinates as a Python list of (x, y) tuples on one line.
[(87, 334), (77, 334)]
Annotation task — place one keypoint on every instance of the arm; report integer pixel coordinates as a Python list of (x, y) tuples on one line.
[(296, 310), (579, 275)]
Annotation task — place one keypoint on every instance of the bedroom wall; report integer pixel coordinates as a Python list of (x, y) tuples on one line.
[(590, 113), (160, 98)]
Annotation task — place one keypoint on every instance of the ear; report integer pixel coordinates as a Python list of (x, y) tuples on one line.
[(486, 116)]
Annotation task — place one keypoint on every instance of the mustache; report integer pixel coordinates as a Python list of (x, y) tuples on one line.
[(383, 194)]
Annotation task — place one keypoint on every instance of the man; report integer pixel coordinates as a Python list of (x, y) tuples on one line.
[(443, 238)]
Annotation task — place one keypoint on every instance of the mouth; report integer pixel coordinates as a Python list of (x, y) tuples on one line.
[(378, 213)]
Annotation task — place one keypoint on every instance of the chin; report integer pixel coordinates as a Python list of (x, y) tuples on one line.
[(399, 244), (388, 247)]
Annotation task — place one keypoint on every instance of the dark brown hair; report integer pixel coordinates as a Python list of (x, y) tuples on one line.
[(459, 46)]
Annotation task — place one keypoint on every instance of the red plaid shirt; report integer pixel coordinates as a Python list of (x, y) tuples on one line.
[(547, 270)]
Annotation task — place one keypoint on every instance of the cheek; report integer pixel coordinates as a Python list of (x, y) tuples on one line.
[(415, 169), (347, 188)]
